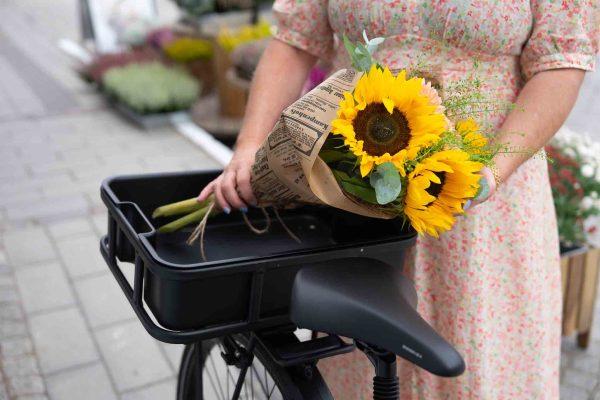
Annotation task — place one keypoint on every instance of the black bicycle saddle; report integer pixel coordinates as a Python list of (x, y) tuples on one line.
[(370, 301)]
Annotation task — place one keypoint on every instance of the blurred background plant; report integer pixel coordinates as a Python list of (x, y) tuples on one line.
[(230, 38), (151, 87), (187, 49), (575, 179), (104, 62)]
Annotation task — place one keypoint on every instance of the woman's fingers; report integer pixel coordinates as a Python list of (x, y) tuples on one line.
[(244, 186), (219, 196), (229, 189), (207, 191)]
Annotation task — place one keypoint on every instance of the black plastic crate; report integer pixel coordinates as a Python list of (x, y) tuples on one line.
[(246, 281)]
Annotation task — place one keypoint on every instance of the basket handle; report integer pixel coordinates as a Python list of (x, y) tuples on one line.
[(134, 296)]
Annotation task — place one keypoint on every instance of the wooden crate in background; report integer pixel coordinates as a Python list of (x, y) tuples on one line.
[(579, 286), (232, 97)]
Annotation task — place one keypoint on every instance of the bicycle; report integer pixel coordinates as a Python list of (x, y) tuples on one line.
[(337, 281)]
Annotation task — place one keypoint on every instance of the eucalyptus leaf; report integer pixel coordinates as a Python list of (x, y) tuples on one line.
[(360, 55), (385, 179)]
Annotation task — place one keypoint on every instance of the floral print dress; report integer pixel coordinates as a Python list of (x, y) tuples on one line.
[(491, 286)]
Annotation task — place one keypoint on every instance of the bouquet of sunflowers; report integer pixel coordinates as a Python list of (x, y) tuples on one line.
[(374, 143)]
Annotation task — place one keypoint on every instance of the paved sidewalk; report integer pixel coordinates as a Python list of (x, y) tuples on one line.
[(66, 331)]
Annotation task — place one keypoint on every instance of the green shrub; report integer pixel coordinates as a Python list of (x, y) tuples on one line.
[(151, 87)]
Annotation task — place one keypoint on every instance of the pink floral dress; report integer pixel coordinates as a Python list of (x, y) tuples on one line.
[(491, 286)]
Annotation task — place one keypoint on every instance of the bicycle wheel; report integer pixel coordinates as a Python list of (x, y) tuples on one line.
[(264, 380)]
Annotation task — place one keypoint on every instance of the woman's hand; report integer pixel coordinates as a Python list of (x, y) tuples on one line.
[(277, 82), (232, 188)]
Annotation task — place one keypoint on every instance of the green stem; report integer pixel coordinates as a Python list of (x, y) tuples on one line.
[(191, 218), (180, 207)]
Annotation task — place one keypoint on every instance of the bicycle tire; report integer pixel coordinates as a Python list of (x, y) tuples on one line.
[(291, 383)]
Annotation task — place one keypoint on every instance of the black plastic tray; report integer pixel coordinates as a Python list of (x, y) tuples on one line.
[(246, 282)]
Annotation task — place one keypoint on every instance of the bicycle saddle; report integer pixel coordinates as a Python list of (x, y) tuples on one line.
[(370, 301)]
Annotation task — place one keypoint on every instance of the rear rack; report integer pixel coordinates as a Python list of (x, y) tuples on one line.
[(290, 353)]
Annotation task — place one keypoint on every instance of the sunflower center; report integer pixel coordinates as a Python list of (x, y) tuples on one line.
[(381, 131), (435, 189)]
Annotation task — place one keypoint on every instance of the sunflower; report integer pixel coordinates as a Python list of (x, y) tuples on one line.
[(438, 188), (387, 119), (470, 132)]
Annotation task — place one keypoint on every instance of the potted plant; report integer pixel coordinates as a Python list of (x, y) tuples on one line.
[(574, 170), (148, 93)]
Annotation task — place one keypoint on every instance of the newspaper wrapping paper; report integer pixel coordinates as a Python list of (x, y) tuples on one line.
[(288, 171)]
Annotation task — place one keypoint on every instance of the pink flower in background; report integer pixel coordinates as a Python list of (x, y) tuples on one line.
[(316, 76), (159, 37)]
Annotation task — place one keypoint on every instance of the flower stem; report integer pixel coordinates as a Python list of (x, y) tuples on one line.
[(191, 218), (180, 207)]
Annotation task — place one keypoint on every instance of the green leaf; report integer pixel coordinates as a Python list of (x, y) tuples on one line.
[(363, 193), (360, 56), (355, 186), (331, 156), (385, 179)]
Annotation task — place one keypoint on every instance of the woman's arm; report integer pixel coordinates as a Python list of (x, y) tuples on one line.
[(277, 83), (542, 107)]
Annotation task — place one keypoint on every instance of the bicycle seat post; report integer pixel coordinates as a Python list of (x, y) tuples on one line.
[(385, 383)]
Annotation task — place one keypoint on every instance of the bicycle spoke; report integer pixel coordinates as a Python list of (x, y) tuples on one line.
[(217, 377), (252, 381), (272, 390), (212, 383), (265, 391), (217, 373)]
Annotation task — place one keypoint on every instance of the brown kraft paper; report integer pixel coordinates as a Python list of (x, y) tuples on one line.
[(288, 170)]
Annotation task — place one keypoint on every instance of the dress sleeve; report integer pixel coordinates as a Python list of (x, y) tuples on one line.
[(565, 35), (304, 24)]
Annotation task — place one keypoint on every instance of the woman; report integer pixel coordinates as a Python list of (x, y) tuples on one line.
[(490, 286)]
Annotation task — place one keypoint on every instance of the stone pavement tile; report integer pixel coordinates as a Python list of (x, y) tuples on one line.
[(9, 313), (70, 227), (173, 352), (16, 347), (133, 357), (3, 391), (573, 393), (71, 189), (14, 173), (25, 385), (580, 379), (12, 329), (89, 382), (19, 198), (20, 365), (50, 209), (43, 287), (27, 185), (61, 340), (103, 300), (100, 222), (162, 391), (587, 363), (59, 167), (81, 255), (28, 246), (8, 295)]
